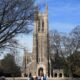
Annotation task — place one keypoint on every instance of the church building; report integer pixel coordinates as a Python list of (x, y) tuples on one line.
[(39, 58)]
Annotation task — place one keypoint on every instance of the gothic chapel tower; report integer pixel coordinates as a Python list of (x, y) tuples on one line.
[(40, 41)]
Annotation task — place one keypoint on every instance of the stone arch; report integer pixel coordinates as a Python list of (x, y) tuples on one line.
[(41, 66), (40, 69), (60, 74), (55, 75)]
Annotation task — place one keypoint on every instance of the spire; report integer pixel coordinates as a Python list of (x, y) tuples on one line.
[(46, 9)]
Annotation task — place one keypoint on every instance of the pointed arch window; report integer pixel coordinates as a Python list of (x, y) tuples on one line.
[(39, 25), (42, 25)]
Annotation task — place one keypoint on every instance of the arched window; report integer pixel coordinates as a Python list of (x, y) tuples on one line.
[(39, 25), (42, 25), (55, 75), (60, 74)]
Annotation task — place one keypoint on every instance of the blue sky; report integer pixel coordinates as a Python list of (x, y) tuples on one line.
[(63, 15)]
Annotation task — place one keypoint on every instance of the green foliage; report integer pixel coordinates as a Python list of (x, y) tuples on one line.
[(66, 46), (74, 60), (72, 65), (9, 66), (57, 62)]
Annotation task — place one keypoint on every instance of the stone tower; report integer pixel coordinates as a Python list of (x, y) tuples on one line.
[(40, 41)]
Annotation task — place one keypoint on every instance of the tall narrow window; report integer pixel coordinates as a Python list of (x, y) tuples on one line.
[(42, 25), (39, 26)]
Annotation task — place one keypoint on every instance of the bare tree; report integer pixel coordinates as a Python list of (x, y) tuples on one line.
[(72, 45), (54, 40), (65, 45), (16, 16)]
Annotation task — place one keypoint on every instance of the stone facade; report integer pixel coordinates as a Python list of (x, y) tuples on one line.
[(58, 73), (39, 57)]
